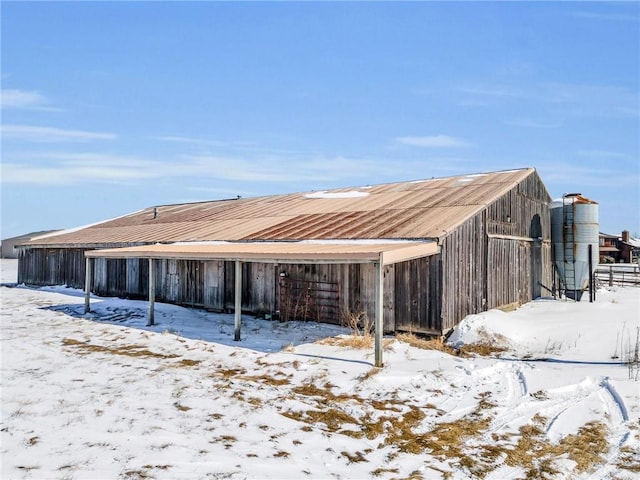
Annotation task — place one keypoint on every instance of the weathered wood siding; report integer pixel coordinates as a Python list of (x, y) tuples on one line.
[(520, 271), (499, 257), (417, 295), (464, 272), (213, 289), (51, 266)]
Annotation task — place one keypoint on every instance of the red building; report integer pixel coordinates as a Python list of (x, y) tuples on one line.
[(615, 249)]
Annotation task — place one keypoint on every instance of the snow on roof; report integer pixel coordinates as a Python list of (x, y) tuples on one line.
[(325, 194), (634, 242), (570, 199), (55, 233)]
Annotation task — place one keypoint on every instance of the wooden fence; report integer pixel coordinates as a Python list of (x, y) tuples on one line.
[(618, 274)]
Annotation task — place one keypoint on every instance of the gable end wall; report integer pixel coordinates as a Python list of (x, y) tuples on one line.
[(500, 257)]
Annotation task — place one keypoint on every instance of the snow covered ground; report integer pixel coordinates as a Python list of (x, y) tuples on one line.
[(103, 396)]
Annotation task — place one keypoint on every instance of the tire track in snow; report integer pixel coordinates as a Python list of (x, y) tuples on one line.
[(617, 399), (613, 398), (554, 406)]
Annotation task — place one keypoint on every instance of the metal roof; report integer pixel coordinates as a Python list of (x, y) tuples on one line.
[(426, 209), (279, 252)]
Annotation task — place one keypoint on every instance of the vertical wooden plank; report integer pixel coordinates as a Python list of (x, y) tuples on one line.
[(132, 274), (212, 285), (238, 300), (389, 297)]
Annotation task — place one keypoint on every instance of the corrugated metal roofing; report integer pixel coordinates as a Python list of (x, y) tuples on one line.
[(426, 209), (279, 252)]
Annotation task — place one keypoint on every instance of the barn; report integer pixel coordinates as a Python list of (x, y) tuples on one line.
[(418, 255)]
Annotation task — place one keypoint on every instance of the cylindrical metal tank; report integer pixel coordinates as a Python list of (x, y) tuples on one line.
[(574, 226)]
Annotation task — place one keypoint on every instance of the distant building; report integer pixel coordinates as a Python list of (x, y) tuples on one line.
[(8, 249), (619, 249)]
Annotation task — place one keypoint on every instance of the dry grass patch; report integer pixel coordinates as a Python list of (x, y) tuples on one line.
[(482, 349), (489, 345), (392, 405), (536, 455), (226, 440), (415, 475), (157, 467), (182, 408), (332, 418), (354, 457), (282, 454), (486, 347), (368, 374), (229, 372), (426, 344), (126, 350), (399, 430), (458, 443), (136, 475), (446, 440), (629, 459), (586, 447), (311, 390), (355, 342), (379, 471), (186, 362), (269, 380)]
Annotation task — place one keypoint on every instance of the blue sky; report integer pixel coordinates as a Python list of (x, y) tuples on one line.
[(108, 108)]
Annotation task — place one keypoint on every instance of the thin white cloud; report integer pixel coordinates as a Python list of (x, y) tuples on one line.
[(609, 17), (492, 91), (56, 168), (570, 176), (557, 99), (73, 169), (13, 173), (189, 140), (12, 98), (530, 123), (36, 134), (601, 154), (434, 141)]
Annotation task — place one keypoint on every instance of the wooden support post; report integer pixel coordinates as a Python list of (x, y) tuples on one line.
[(238, 304), (592, 292), (88, 274), (379, 321), (611, 275), (152, 293)]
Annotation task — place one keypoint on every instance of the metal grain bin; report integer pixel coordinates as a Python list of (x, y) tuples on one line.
[(574, 226)]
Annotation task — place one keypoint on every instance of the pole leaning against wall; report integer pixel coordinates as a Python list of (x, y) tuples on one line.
[(152, 293), (238, 302), (88, 274), (379, 323)]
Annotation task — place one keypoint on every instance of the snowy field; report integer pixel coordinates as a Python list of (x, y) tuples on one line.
[(102, 396)]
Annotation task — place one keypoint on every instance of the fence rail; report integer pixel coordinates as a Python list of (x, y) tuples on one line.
[(618, 274)]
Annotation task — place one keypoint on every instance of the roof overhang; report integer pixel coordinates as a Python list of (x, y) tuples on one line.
[(386, 253)]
